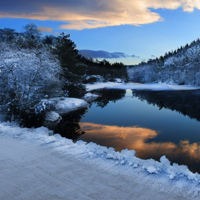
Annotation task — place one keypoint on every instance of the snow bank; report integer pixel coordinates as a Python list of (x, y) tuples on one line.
[(91, 151), (139, 86), (96, 86), (61, 105)]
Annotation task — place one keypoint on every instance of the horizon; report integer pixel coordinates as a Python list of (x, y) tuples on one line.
[(128, 32)]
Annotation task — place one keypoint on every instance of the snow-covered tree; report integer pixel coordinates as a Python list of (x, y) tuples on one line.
[(27, 74), (181, 66)]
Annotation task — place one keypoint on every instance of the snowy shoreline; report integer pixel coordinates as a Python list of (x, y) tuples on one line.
[(140, 86), (159, 176), (124, 162), (56, 107), (95, 151)]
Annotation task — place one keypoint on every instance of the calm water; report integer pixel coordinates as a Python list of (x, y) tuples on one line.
[(152, 123)]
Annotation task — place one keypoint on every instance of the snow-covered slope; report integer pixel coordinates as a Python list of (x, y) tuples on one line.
[(179, 67), (36, 164)]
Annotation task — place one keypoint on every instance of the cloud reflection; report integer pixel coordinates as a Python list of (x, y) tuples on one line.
[(136, 138)]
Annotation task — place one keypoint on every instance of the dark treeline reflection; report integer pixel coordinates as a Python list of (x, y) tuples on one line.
[(184, 102), (69, 125), (109, 95)]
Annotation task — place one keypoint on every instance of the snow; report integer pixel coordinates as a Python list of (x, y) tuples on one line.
[(52, 116), (36, 164), (96, 86), (139, 86), (98, 77), (67, 105), (61, 105), (118, 80), (28, 73), (90, 97)]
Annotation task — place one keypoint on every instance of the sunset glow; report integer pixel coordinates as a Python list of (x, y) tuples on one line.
[(145, 29)]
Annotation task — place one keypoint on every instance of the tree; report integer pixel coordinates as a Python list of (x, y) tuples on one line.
[(32, 32), (27, 75), (32, 35), (66, 50)]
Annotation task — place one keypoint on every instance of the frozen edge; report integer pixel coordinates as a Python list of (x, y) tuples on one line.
[(97, 153), (139, 86)]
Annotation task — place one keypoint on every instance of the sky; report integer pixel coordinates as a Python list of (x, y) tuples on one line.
[(119, 31)]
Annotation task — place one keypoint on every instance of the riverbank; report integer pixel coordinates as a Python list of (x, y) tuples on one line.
[(34, 165)]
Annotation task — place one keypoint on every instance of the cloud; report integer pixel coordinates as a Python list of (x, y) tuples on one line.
[(81, 14), (134, 56), (102, 54), (45, 29)]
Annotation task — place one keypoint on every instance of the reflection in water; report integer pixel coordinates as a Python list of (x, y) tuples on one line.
[(111, 95), (136, 138), (184, 102), (69, 125)]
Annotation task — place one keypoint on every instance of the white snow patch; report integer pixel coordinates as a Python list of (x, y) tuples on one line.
[(151, 169), (98, 77), (139, 86), (95, 86), (69, 104), (52, 116), (118, 80), (61, 105), (90, 97)]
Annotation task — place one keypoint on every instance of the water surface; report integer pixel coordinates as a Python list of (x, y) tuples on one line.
[(154, 123)]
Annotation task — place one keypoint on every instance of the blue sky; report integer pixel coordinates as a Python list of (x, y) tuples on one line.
[(136, 30)]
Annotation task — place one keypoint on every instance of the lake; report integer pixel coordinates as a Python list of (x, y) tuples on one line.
[(153, 123)]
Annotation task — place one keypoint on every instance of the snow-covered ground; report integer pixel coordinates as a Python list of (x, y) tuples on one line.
[(139, 86), (34, 164), (37, 164)]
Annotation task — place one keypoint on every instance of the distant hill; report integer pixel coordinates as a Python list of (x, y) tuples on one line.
[(181, 67)]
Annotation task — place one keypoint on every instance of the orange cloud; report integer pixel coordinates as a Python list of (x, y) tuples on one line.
[(45, 29), (81, 14)]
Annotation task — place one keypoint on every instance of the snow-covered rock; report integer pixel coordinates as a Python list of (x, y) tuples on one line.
[(52, 116), (67, 105), (61, 105), (93, 78), (90, 97), (118, 80)]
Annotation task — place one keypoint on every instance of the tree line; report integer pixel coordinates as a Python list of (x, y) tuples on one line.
[(181, 66), (33, 66)]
